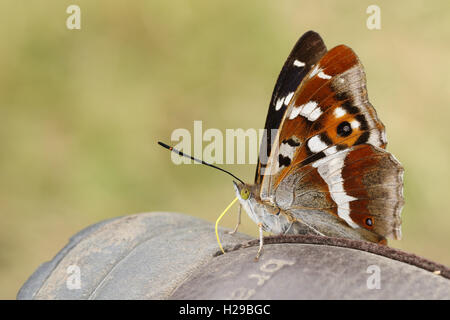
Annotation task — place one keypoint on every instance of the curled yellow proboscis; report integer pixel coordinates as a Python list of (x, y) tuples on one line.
[(217, 222)]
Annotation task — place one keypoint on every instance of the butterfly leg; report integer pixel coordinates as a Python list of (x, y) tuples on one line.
[(309, 229), (261, 241), (238, 223)]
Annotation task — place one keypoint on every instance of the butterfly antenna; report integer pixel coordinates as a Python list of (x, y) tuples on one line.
[(197, 160)]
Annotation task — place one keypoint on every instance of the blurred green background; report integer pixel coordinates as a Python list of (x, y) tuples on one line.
[(81, 110)]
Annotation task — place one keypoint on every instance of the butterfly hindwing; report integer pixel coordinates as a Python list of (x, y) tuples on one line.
[(306, 52), (362, 185)]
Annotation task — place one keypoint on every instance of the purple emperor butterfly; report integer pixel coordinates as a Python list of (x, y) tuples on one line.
[(325, 171)]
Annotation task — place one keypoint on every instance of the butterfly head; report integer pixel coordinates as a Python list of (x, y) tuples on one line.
[(248, 196), (243, 191), (249, 199)]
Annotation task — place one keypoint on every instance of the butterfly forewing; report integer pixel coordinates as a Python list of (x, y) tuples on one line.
[(329, 112), (306, 52)]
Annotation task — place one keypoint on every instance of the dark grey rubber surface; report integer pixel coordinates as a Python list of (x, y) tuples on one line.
[(306, 271), (173, 256)]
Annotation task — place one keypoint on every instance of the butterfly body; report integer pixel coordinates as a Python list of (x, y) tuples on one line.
[(325, 170)]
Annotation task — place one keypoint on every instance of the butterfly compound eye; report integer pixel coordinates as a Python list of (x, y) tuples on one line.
[(344, 129), (245, 193)]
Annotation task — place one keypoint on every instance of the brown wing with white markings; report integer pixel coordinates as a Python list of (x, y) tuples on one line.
[(362, 185), (330, 150)]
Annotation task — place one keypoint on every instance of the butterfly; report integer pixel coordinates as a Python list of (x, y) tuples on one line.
[(323, 168)]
